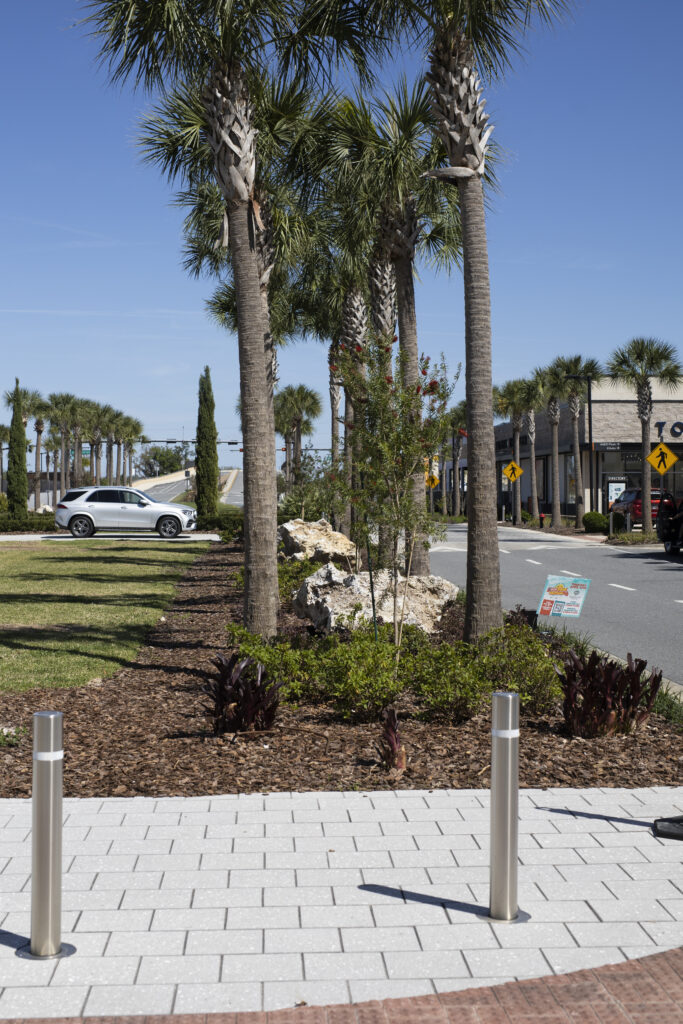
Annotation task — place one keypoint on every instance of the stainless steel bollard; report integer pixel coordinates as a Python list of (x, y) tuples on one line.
[(46, 881), (504, 806)]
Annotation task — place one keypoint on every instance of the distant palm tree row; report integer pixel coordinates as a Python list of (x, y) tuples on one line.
[(72, 422), (636, 364)]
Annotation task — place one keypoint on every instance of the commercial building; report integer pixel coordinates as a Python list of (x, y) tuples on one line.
[(610, 445)]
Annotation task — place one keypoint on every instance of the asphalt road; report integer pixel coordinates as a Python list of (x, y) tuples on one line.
[(167, 492), (635, 599), (235, 496)]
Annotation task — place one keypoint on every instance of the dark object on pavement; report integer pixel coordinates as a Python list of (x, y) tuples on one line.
[(669, 828)]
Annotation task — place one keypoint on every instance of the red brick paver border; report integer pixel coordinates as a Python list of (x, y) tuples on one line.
[(646, 991)]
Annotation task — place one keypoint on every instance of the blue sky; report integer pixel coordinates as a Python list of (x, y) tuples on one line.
[(584, 236)]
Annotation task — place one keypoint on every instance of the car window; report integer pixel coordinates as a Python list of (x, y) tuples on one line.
[(107, 496), (72, 495), (130, 497), (628, 496)]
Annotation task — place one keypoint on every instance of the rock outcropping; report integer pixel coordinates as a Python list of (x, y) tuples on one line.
[(330, 593), (317, 541)]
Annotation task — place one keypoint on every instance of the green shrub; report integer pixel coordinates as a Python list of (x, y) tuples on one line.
[(228, 521), (291, 575), (618, 522), (446, 681), (34, 523), (669, 705), (3, 503), (595, 522), (515, 658), (358, 676), (528, 518), (297, 668)]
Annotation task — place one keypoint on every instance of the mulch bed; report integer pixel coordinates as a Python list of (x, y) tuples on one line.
[(144, 730)]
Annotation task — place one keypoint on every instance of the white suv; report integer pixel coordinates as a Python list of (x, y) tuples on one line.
[(84, 510)]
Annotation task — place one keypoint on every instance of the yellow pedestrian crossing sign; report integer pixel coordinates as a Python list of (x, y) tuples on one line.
[(513, 471), (662, 458)]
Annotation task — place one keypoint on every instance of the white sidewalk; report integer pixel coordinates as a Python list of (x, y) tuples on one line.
[(260, 902)]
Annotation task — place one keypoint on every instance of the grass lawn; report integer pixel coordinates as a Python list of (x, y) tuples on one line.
[(73, 612)]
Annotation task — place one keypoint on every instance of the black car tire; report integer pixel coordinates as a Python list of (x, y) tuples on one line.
[(671, 548), (168, 527), (81, 527)]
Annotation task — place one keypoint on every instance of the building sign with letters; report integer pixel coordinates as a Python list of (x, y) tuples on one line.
[(563, 596)]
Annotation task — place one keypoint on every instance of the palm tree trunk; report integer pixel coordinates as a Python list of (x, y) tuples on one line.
[(110, 461), (647, 476), (348, 460), (98, 464), (556, 521), (55, 466), (483, 609), (457, 451), (67, 468), (407, 333), (334, 409), (297, 452), (261, 599), (531, 430), (36, 482), (62, 462), (517, 484), (578, 475), (117, 478)]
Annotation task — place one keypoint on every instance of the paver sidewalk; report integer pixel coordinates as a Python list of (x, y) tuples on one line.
[(261, 902)]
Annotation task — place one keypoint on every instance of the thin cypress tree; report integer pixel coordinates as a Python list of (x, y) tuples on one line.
[(206, 464), (17, 477)]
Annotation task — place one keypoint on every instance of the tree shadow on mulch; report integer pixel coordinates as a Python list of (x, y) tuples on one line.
[(145, 730)]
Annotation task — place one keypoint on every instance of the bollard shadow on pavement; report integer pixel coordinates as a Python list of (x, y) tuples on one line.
[(419, 897)]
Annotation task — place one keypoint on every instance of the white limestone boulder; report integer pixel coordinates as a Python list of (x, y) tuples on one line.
[(317, 541), (330, 594)]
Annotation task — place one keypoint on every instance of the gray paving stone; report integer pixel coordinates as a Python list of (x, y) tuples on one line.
[(158, 970), (265, 966), (623, 855), (663, 933), (125, 880), (408, 828), (108, 862), (176, 832), (329, 844), (563, 961), (153, 899), (95, 970), (235, 941), (554, 856), (279, 994), (356, 828), (296, 829), (409, 914), (344, 966), (194, 919), (650, 889), (360, 859), (235, 831), (568, 891), (476, 935), (101, 899), (300, 859), (223, 998), (364, 990), (380, 939), (225, 897), (532, 934), (641, 871), (559, 910), (458, 984), (301, 896), (521, 963), (608, 933), (337, 917), (300, 940), (114, 920), (429, 858), (452, 841), (673, 906), (431, 964), (329, 876), (630, 910), (405, 878), (281, 844), (200, 879), (151, 847), (18, 973), (43, 1002), (263, 917), (121, 1000), (13, 882), (171, 943)]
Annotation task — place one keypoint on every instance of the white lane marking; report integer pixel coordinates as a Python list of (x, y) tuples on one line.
[(620, 586), (447, 547), (539, 547), (504, 551), (533, 562), (568, 572), (678, 602)]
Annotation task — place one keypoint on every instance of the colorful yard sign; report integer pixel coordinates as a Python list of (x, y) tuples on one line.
[(563, 596)]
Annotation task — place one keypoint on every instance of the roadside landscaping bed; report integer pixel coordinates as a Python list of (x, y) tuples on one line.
[(145, 730)]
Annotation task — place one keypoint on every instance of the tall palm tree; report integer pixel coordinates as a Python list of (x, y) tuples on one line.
[(131, 434), (224, 49), (553, 382), (458, 426), (533, 399), (61, 415), (578, 371), (637, 364), (509, 402), (52, 445)]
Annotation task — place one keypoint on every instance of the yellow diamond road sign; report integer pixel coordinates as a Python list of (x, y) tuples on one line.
[(662, 458), (513, 471)]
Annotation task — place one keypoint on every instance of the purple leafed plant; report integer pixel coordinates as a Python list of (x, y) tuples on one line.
[(243, 698), (391, 751), (602, 697)]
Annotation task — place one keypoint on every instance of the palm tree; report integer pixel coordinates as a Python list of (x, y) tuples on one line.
[(131, 433), (509, 402), (52, 447), (224, 49), (458, 425), (4, 439), (578, 371), (61, 414), (554, 385), (464, 35), (533, 399), (637, 364)]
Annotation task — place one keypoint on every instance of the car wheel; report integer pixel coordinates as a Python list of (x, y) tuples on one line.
[(81, 526), (671, 548), (168, 526)]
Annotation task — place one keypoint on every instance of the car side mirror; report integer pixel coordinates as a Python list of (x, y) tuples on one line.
[(142, 503)]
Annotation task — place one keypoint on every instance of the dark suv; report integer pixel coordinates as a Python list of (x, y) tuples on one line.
[(631, 500), (670, 526)]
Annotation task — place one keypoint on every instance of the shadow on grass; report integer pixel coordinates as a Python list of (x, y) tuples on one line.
[(37, 638), (160, 601)]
